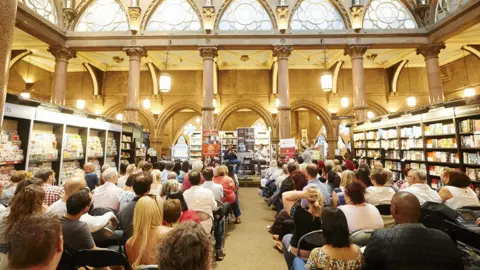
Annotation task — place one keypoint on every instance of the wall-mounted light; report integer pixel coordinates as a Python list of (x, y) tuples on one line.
[(344, 102), (469, 92), (370, 115), (25, 94), (81, 104), (98, 112), (147, 104), (412, 101), (277, 102), (119, 116), (274, 111)]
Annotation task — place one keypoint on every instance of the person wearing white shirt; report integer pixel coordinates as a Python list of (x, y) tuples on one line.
[(457, 193), (260, 158), (123, 179), (422, 191), (59, 208), (216, 189), (107, 195), (168, 168), (379, 193)]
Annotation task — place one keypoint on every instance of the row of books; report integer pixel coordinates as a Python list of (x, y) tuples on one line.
[(411, 143), (473, 173), (471, 158), (439, 129), (471, 141), (373, 154), (394, 154), (95, 148), (389, 144), (73, 147), (373, 144), (372, 135), (387, 134), (438, 156), (10, 151), (413, 155), (470, 125), (442, 143), (126, 138), (415, 131), (393, 165), (43, 147), (68, 169), (112, 149)]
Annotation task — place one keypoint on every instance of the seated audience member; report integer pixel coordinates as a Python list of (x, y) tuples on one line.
[(123, 170), (333, 180), (363, 176), (59, 208), (172, 212), (148, 232), (183, 171), (157, 182), (350, 165), (141, 187), (338, 194), (311, 170), (172, 176), (177, 168), (201, 200), (15, 178), (304, 220), (52, 193), (458, 193), (129, 171), (216, 189), (233, 175), (35, 242), (281, 175), (170, 186), (197, 166), (105, 167), (377, 165), (168, 168), (236, 204), (128, 194), (145, 166), (297, 180), (269, 172), (389, 183), (403, 184), (418, 187), (327, 167), (410, 245), (160, 165), (360, 214), (106, 195), (76, 234), (379, 193), (90, 175), (220, 176), (79, 173), (187, 214), (337, 252), (186, 247)]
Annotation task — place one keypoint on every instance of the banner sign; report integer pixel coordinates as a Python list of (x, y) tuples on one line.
[(246, 142), (210, 143), (288, 148)]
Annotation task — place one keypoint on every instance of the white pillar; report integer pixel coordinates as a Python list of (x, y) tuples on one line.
[(282, 53)]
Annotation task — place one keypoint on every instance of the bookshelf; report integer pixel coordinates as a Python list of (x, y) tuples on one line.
[(196, 145), (228, 138)]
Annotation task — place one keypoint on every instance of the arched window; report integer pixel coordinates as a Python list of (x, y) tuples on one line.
[(103, 16), (245, 15), (445, 7), (316, 15), (174, 15), (46, 9), (388, 14)]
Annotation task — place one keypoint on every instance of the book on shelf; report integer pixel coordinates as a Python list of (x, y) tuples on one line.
[(439, 129), (471, 141), (439, 156), (43, 147), (126, 138), (471, 158), (473, 173), (68, 169), (73, 147), (111, 147), (10, 151), (415, 131), (470, 125), (442, 143), (95, 148), (413, 155)]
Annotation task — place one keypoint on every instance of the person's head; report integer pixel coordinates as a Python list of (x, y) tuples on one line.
[(208, 173), (388, 176), (46, 175), (273, 163), (18, 176), (26, 183), (172, 176), (141, 183), (333, 179), (129, 182), (172, 211), (35, 242), (335, 228), (300, 160), (377, 165), (110, 175), (285, 169), (169, 166), (315, 199), (130, 169), (312, 171), (178, 196), (28, 202), (185, 166), (79, 202), (195, 178), (145, 166), (445, 175), (378, 178), (197, 166), (292, 166), (355, 193), (320, 166), (337, 169), (230, 147), (161, 165), (350, 165), (418, 177), (73, 185), (89, 167), (106, 166), (170, 186), (123, 168), (363, 175), (405, 207), (280, 164), (459, 179), (346, 178), (299, 180), (217, 171), (364, 165), (328, 166), (148, 214), (231, 171), (156, 175), (79, 173), (343, 167), (177, 167), (336, 162), (223, 170), (186, 247)]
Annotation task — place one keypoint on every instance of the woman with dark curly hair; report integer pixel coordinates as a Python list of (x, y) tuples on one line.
[(186, 247)]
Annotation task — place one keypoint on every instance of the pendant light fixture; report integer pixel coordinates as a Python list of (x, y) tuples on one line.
[(326, 79), (411, 100), (81, 101), (28, 84), (165, 81), (468, 91)]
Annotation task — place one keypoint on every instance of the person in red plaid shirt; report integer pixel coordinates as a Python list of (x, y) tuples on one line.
[(52, 193)]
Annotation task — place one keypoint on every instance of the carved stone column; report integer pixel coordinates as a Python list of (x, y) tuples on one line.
[(356, 53), (62, 56), (133, 94), (282, 53), (332, 146), (430, 53), (8, 10), (208, 54)]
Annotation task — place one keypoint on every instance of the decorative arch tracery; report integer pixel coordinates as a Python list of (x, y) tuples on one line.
[(376, 108), (120, 108), (244, 104), (445, 7), (189, 22), (170, 112), (101, 16), (389, 14), (324, 115), (249, 14), (44, 8), (319, 15)]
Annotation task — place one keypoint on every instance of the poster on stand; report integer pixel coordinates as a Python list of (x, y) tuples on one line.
[(319, 152), (246, 142), (210, 143), (288, 148)]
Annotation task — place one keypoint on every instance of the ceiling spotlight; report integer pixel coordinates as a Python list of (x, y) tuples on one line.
[(81, 104), (411, 101), (344, 102), (469, 92), (119, 116)]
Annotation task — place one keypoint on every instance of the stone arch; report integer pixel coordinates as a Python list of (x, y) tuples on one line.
[(166, 115), (244, 104), (84, 4), (336, 3), (264, 3), (406, 3), (324, 115), (120, 107), (375, 107), (156, 3)]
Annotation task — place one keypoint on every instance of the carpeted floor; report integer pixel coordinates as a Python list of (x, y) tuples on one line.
[(249, 245)]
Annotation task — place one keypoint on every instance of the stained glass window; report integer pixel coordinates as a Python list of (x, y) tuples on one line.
[(174, 15), (102, 16), (316, 15), (46, 9), (245, 15), (445, 7), (388, 14)]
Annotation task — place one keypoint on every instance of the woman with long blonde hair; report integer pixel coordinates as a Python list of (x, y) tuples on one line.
[(347, 177), (147, 231)]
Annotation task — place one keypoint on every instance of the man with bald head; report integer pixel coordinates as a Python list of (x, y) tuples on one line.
[(410, 245), (59, 208)]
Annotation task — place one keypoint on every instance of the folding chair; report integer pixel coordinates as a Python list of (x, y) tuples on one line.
[(361, 237), (100, 258)]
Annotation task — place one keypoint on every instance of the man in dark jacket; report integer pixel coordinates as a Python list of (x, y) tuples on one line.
[(410, 245)]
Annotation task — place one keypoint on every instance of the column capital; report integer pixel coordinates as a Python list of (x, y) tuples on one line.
[(431, 50), (62, 53), (355, 51), (135, 52), (282, 52), (208, 53)]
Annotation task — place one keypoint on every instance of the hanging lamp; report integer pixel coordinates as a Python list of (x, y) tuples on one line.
[(468, 91), (165, 81), (326, 79), (411, 100)]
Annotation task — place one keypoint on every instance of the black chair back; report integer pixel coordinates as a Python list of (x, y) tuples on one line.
[(66, 261), (384, 209), (148, 267), (313, 238), (100, 258)]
